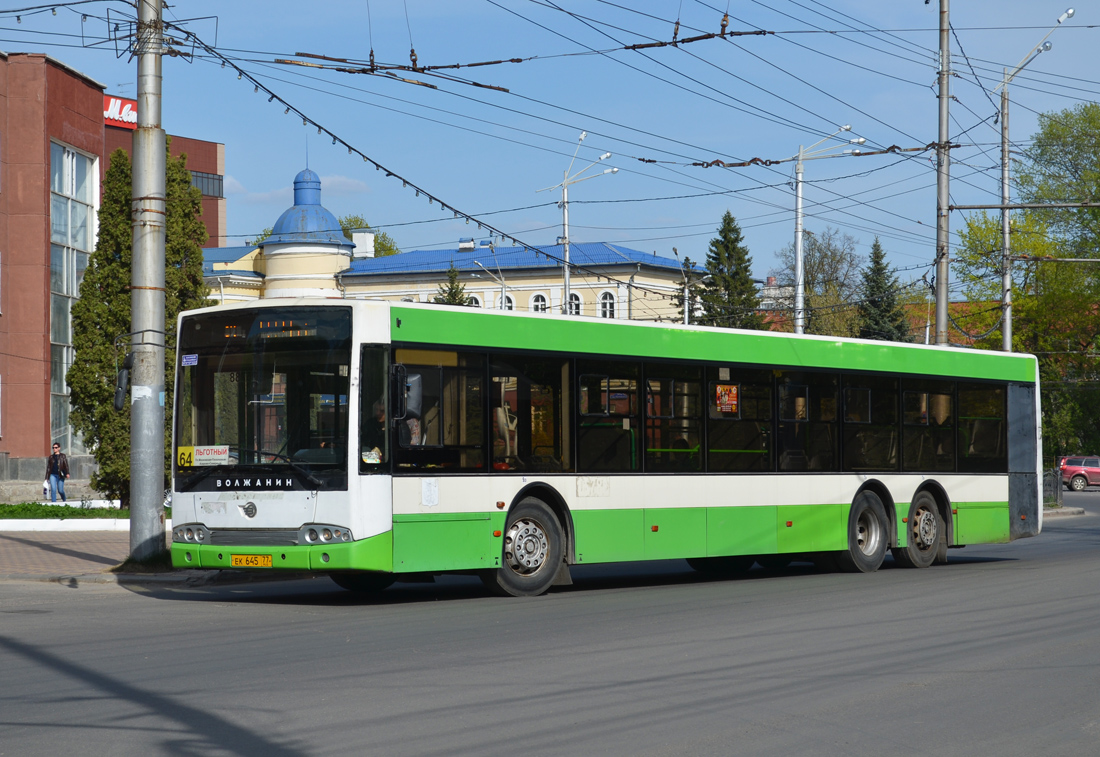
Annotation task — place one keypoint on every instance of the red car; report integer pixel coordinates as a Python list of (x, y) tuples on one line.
[(1079, 472)]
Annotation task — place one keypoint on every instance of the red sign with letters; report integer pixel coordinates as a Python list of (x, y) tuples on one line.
[(120, 111)]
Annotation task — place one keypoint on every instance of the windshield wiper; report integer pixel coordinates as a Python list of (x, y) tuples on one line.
[(293, 466)]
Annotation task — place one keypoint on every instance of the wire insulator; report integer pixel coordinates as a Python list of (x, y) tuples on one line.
[(412, 56), (725, 23)]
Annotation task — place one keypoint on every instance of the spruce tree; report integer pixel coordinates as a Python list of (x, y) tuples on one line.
[(102, 313), (881, 315), (451, 292), (729, 295)]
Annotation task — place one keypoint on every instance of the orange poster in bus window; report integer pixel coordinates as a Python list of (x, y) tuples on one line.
[(726, 397)]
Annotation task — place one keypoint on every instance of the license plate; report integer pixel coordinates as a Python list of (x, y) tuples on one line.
[(250, 561)]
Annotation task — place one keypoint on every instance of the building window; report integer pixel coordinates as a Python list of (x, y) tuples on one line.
[(574, 303), (509, 303), (538, 304), (210, 184), (73, 199), (475, 301), (607, 305)]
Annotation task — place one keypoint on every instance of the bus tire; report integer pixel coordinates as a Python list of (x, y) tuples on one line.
[(722, 567), (867, 536), (532, 553), (362, 582), (925, 532)]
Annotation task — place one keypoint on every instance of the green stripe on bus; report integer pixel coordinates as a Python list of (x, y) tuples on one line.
[(608, 337), (372, 553)]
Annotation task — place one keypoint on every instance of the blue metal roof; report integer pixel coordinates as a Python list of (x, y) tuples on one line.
[(584, 254), (307, 221)]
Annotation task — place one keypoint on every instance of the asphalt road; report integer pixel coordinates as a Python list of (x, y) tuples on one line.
[(994, 654)]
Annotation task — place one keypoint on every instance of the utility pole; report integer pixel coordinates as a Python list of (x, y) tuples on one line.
[(1006, 242), (943, 177), (148, 208)]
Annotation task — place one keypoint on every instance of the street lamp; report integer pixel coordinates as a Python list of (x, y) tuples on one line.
[(503, 286), (564, 205), (799, 270), (1006, 261)]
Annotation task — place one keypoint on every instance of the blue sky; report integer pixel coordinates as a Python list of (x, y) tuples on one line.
[(486, 151)]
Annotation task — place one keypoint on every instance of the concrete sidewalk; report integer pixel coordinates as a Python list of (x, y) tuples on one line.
[(77, 558)]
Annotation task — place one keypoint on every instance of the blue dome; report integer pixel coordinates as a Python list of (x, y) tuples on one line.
[(307, 221)]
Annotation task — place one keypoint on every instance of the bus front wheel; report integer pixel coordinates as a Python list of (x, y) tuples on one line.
[(924, 535), (532, 553), (866, 535)]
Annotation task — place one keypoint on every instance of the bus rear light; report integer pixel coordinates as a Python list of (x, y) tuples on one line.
[(322, 534)]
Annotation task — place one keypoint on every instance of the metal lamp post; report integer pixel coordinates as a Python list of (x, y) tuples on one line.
[(1006, 260), (500, 280), (566, 182), (805, 154)]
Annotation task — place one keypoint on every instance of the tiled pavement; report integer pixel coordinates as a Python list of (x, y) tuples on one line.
[(34, 553)]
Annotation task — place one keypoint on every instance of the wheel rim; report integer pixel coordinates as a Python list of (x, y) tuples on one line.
[(526, 546), (924, 529), (868, 533), (1078, 484)]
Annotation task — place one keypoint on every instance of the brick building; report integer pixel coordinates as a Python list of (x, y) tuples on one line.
[(55, 139)]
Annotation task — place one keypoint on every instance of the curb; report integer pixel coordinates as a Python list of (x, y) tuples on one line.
[(179, 579), (71, 524), (1062, 512)]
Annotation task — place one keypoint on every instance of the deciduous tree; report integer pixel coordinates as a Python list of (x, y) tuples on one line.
[(102, 313)]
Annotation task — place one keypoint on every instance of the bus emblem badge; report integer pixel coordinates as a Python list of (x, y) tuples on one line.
[(249, 509)]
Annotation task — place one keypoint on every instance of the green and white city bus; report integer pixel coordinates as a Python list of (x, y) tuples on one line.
[(378, 441)]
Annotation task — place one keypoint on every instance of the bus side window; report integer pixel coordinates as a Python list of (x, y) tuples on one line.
[(528, 402), (673, 419), (982, 444), (870, 424), (928, 425), (807, 421), (443, 421), (373, 400), (608, 434), (739, 420)]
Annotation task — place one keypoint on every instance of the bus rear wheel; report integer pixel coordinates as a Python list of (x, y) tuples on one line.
[(532, 553), (362, 582), (866, 535), (924, 535)]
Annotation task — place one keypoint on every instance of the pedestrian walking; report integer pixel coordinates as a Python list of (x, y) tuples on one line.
[(57, 470)]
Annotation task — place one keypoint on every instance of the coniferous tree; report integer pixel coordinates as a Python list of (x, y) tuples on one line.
[(728, 295), (452, 292), (881, 315), (102, 313)]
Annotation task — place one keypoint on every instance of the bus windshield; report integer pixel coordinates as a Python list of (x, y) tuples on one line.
[(264, 390)]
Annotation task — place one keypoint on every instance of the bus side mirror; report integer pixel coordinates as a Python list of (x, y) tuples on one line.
[(399, 388), (123, 381)]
